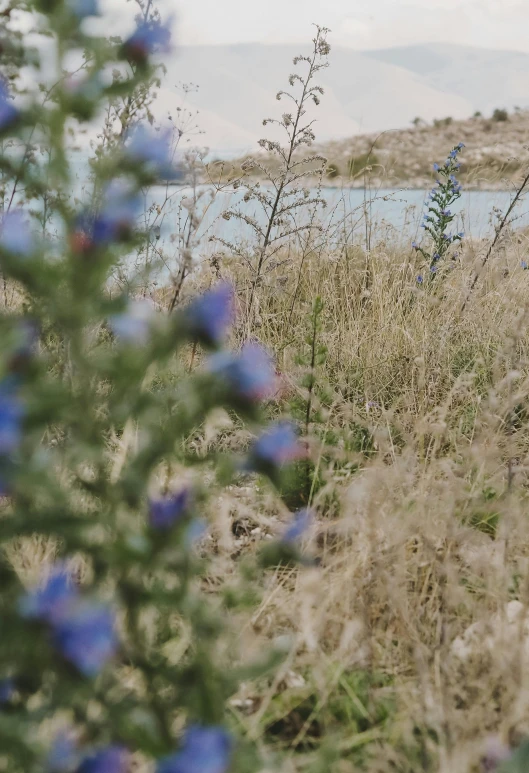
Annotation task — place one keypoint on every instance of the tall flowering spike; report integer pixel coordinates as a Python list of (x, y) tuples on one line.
[(85, 635), (277, 446), (8, 112), (113, 759), (209, 317), (298, 527), (249, 376), (150, 37), (153, 151), (16, 237), (204, 750), (51, 601), (166, 512), (135, 324)]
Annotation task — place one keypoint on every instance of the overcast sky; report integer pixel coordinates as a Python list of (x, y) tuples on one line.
[(360, 24)]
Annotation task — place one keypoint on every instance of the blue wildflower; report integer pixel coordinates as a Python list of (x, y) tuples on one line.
[(11, 415), (436, 257), (135, 324), (150, 37), (210, 316), (167, 512), (277, 446), (461, 234), (249, 375), (85, 635), (15, 234), (415, 246), (113, 223), (8, 112), (446, 212), (436, 167), (296, 529), (7, 690), (461, 145), (49, 602), (420, 279), (153, 150), (63, 755), (113, 759), (203, 750), (524, 265)]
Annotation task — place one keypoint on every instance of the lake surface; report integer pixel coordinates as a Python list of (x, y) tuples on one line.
[(368, 214)]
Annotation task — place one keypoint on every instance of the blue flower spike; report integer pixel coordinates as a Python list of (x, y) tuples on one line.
[(298, 527), (85, 635), (209, 317), (203, 750), (277, 446), (53, 598), (153, 151)]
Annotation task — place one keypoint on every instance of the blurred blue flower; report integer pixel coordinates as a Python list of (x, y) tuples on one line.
[(166, 512), (446, 212), (524, 265), (153, 150), (7, 690), (296, 529), (436, 167), (50, 601), (113, 759), (63, 755), (84, 8), (114, 221), (415, 246), (15, 234), (8, 112), (85, 635), (150, 37), (135, 324), (278, 445), (250, 375), (203, 750), (420, 279), (210, 316), (11, 415)]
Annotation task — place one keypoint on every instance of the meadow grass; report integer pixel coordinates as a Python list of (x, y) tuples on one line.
[(408, 639)]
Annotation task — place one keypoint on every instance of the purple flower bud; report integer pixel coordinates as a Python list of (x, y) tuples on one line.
[(436, 167), (153, 150), (8, 112), (84, 634), (249, 375), (167, 512), (296, 529), (419, 279), (150, 37), (113, 759), (210, 316), (277, 446), (50, 601), (203, 750), (15, 234)]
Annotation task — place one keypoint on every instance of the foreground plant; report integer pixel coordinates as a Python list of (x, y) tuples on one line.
[(113, 646)]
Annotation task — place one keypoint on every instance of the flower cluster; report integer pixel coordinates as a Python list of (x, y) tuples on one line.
[(82, 630), (439, 216)]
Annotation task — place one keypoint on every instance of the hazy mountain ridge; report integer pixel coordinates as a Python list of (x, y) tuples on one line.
[(364, 91)]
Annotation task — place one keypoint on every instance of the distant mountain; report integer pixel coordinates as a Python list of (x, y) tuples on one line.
[(364, 91)]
